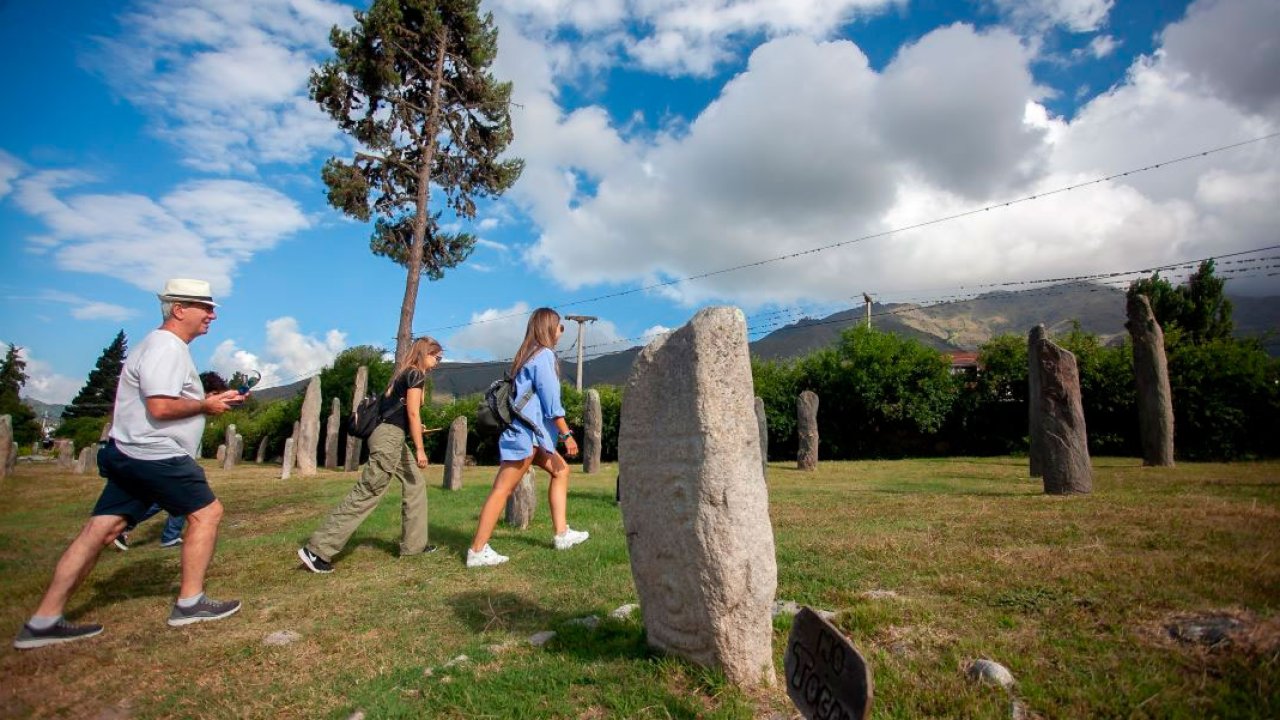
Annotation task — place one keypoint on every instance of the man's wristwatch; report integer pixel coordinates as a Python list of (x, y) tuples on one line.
[(563, 436)]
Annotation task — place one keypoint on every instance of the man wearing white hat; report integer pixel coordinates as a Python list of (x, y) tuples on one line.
[(150, 457)]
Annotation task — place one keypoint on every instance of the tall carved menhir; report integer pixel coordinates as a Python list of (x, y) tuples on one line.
[(694, 503), (309, 430), (354, 444), (1035, 444), (1065, 468), (1151, 375), (455, 453), (592, 422), (807, 430), (331, 434)]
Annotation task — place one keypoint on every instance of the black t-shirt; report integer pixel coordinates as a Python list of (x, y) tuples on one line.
[(393, 406)]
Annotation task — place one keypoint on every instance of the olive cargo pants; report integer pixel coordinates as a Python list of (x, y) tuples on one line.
[(389, 457)]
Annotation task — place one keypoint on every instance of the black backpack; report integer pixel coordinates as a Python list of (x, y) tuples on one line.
[(365, 416), (501, 409)]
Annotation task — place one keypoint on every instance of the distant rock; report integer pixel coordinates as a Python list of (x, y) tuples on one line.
[(990, 672)]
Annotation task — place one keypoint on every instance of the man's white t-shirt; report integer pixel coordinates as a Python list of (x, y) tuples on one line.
[(160, 365)]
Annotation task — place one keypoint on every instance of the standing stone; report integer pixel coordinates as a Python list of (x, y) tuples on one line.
[(1151, 374), (762, 427), (807, 430), (262, 450), (286, 467), (7, 447), (1066, 469), (331, 434), (592, 421), (522, 503), (221, 455), (293, 455), (1035, 439), (66, 454), (353, 443), (695, 508), (231, 457), (239, 446), (455, 453), (309, 436), (84, 461), (106, 432)]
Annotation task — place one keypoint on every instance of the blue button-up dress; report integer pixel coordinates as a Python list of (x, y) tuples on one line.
[(518, 441)]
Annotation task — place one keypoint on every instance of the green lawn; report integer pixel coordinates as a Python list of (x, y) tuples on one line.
[(1071, 594)]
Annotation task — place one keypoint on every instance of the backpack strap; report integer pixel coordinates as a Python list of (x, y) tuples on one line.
[(518, 406)]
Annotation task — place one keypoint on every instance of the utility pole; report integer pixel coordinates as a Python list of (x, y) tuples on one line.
[(582, 321), (867, 298)]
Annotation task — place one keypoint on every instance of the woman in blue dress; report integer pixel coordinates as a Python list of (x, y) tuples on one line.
[(532, 441)]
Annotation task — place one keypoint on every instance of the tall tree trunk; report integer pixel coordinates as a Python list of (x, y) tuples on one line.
[(404, 334)]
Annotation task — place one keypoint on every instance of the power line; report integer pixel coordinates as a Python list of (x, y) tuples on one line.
[(871, 236)]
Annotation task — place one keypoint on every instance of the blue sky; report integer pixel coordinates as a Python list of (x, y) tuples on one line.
[(663, 139)]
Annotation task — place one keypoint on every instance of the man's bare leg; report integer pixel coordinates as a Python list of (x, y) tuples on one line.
[(77, 560), (198, 546)]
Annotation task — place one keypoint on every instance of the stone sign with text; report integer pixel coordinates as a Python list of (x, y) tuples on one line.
[(827, 678)]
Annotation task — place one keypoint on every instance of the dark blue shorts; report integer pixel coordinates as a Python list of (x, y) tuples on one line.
[(176, 484)]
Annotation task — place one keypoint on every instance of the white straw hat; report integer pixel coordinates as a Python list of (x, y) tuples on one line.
[(185, 290)]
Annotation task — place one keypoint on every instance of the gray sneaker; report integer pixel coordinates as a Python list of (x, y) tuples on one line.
[(206, 609), (60, 632)]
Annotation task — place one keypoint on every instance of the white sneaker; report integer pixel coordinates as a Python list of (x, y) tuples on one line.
[(486, 557), (571, 537)]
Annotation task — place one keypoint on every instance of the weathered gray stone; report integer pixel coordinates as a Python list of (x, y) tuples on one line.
[(262, 450), (694, 504), (221, 454), (807, 430), (86, 460), (286, 467), (106, 432), (293, 455), (8, 449), (281, 637), (1066, 469), (230, 457), (309, 431), (331, 434), (592, 422), (989, 672), (762, 427), (66, 454), (1151, 375), (523, 502), (1035, 439), (239, 447), (541, 638), (354, 444), (455, 453)]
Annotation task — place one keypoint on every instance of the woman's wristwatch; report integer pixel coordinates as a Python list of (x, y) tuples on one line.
[(564, 436)]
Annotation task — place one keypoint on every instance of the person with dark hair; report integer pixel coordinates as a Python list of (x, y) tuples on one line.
[(150, 458), (532, 440), (389, 457)]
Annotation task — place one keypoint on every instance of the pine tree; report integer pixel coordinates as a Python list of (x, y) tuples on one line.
[(98, 396), (1197, 312), (411, 84), (13, 375)]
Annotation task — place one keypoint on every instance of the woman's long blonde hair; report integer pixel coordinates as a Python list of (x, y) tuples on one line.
[(540, 333), (421, 349)]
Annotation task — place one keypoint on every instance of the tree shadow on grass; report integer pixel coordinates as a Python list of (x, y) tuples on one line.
[(155, 576)]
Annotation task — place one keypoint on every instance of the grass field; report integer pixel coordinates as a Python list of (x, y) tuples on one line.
[(1071, 594)]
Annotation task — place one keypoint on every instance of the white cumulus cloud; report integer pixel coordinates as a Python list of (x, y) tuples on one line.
[(288, 356), (954, 123), (46, 385), (226, 82), (210, 224)]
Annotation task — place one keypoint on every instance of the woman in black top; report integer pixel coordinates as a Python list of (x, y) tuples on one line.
[(389, 457)]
